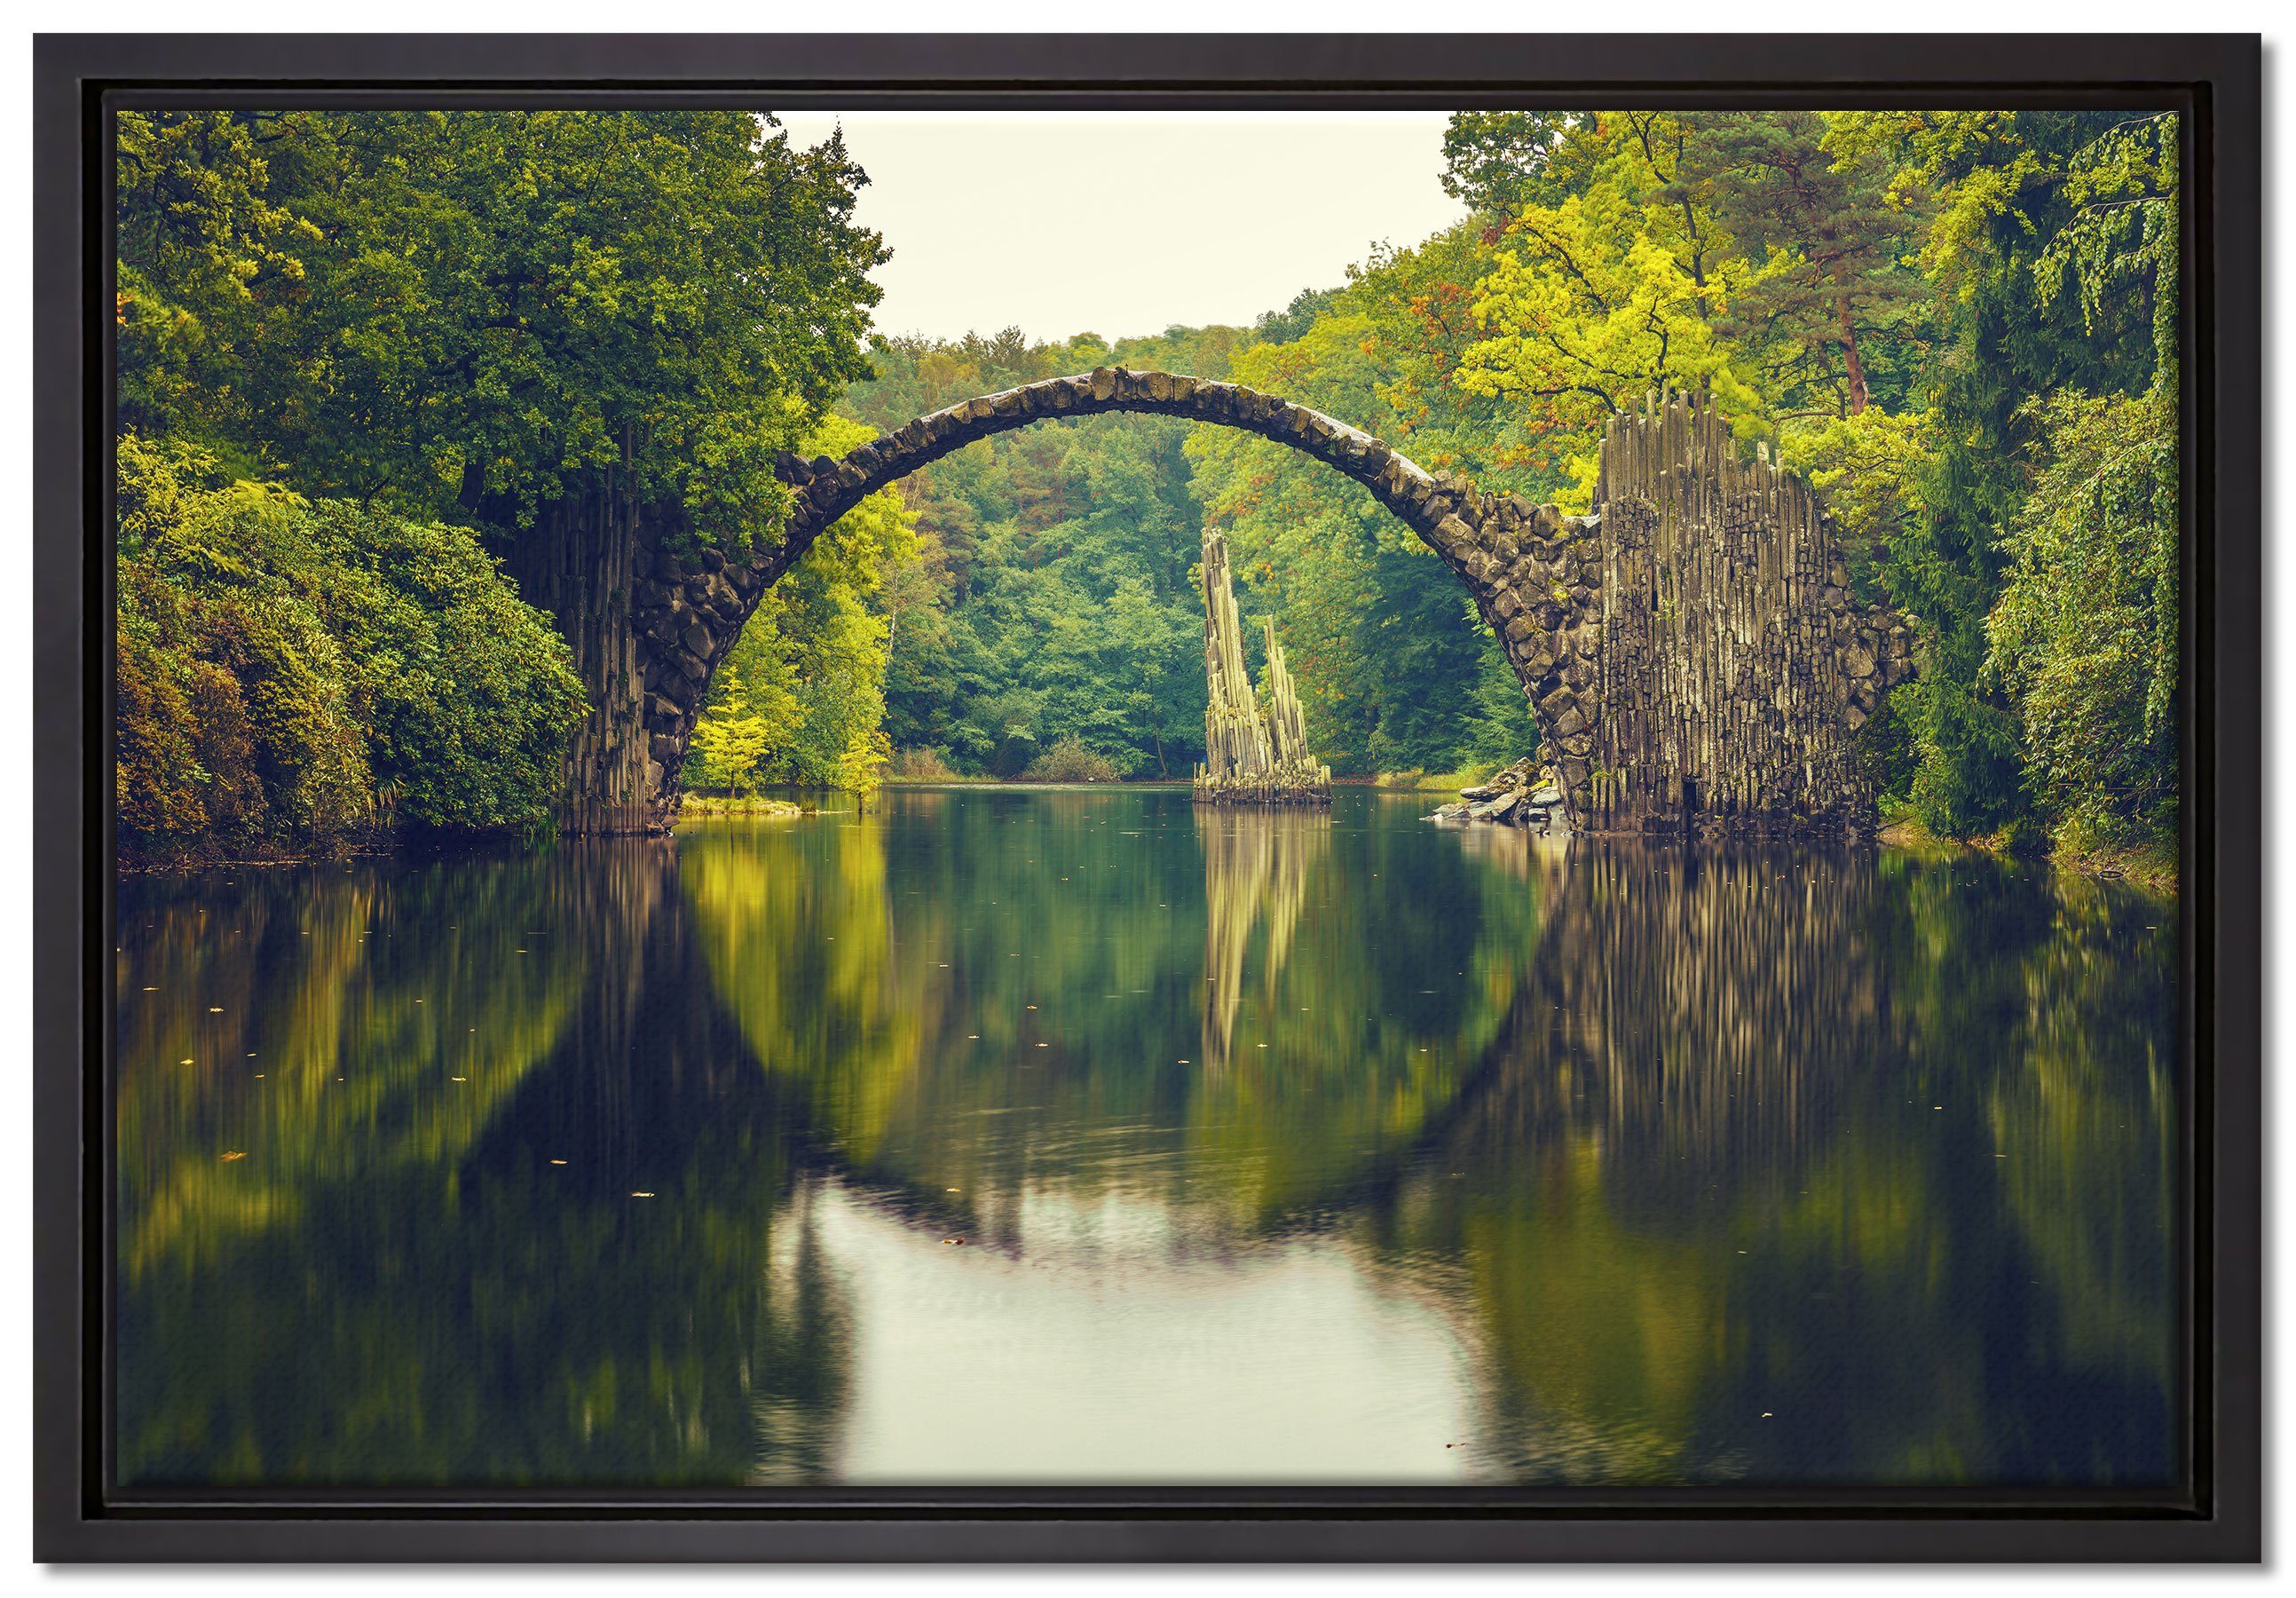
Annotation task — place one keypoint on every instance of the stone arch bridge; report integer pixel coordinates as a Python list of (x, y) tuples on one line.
[(1692, 653)]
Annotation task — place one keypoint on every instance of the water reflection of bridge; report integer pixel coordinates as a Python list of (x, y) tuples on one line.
[(1693, 1055), (721, 1030), (1690, 1010)]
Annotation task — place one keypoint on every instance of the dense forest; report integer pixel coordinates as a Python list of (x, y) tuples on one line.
[(410, 348)]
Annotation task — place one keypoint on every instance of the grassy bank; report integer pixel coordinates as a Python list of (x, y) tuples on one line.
[(718, 804), (2151, 865), (1026, 781), (1421, 782)]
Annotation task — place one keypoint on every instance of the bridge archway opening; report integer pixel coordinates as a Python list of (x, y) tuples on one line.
[(1694, 635)]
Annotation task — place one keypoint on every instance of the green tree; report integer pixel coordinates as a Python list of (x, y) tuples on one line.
[(1391, 664), (2084, 638), (806, 681), (1049, 595), (1825, 306), (1614, 288), (574, 330), (2002, 190), (729, 745)]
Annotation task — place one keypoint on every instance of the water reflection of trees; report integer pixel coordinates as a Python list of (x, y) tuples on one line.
[(1808, 1178), (395, 1283), (1882, 1147)]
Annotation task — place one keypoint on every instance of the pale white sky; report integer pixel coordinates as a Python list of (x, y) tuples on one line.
[(1124, 223)]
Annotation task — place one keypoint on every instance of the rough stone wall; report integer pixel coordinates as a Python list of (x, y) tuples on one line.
[(686, 617), (1740, 664), (1735, 663)]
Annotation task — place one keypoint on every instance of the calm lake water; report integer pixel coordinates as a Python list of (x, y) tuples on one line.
[(1084, 1136)]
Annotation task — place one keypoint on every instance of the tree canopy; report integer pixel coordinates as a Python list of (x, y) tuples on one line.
[(467, 315)]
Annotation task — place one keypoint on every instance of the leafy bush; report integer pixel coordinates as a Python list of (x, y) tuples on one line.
[(2085, 638), (291, 673), (928, 764), (1070, 760), (466, 692)]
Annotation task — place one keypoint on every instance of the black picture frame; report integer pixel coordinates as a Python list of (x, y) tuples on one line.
[(2217, 79)]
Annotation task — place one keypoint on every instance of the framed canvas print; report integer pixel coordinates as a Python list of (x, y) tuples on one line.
[(1147, 798)]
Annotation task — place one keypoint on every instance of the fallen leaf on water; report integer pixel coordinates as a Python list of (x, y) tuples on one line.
[(183, 1062), (231, 1154), (216, 1009), (640, 1194), (450, 1079), (953, 1242), (557, 1162)]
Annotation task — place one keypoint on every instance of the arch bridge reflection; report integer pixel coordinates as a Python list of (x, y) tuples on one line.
[(1652, 1140)]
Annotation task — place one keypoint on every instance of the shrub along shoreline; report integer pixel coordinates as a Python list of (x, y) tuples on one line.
[(300, 678)]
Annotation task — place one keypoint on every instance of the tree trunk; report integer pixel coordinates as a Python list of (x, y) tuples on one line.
[(1853, 364), (578, 562)]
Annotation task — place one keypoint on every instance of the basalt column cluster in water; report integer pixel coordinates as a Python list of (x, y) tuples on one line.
[(1251, 755)]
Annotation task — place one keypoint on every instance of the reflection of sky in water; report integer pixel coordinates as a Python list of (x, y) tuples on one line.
[(1285, 1149), (1107, 1350)]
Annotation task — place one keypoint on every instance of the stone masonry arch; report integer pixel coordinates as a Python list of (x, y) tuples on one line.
[(1692, 651)]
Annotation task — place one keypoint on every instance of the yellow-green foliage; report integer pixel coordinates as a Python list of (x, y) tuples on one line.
[(801, 696)]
